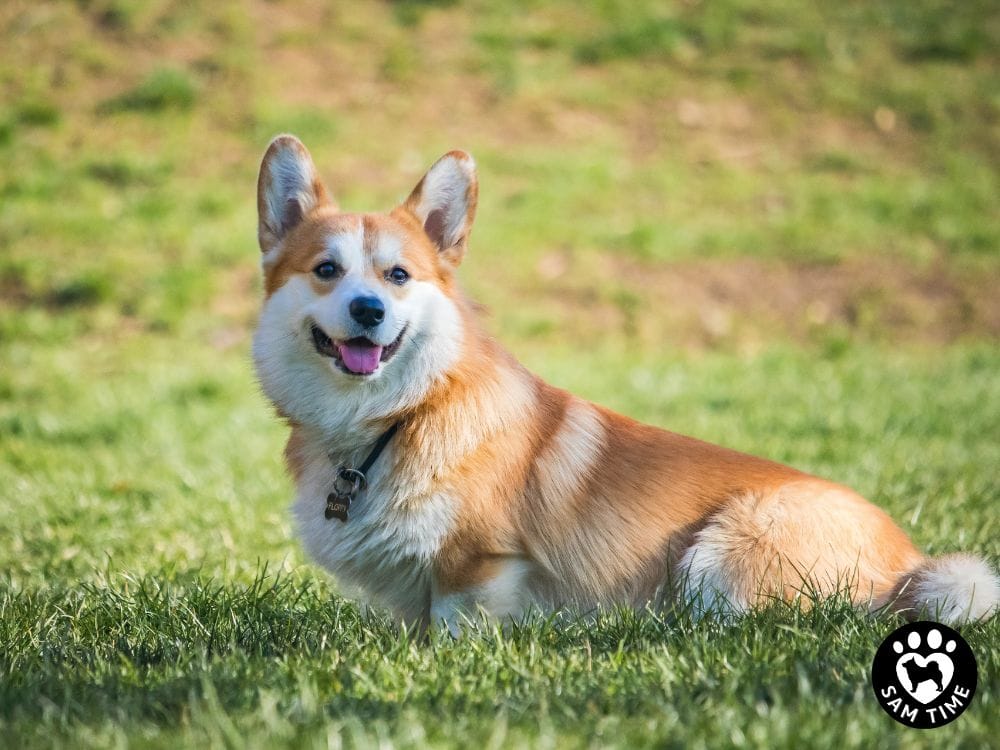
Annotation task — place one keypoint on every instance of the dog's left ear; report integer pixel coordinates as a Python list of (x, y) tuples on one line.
[(444, 202)]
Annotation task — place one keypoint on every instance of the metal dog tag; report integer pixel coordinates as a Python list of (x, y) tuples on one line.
[(346, 486)]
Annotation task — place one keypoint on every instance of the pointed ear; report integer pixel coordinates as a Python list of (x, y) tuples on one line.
[(444, 202), (288, 188)]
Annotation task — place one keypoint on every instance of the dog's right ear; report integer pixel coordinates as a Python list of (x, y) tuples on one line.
[(288, 188)]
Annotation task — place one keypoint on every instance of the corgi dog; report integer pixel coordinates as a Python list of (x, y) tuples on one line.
[(483, 489)]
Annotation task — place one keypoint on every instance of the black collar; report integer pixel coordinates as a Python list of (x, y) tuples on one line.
[(349, 482)]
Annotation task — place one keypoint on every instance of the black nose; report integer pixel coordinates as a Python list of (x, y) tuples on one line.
[(368, 311)]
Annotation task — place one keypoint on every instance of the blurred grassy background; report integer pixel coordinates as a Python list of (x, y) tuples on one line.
[(768, 224), (759, 223), (701, 174)]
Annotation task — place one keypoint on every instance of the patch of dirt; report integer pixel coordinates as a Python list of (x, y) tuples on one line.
[(745, 302), (235, 306)]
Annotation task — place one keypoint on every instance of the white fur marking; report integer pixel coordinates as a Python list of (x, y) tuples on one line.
[(504, 598), (563, 470), (347, 249), (704, 584), (957, 588), (388, 252), (567, 461), (384, 551)]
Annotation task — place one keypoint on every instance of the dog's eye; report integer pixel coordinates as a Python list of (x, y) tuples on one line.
[(398, 275), (326, 270)]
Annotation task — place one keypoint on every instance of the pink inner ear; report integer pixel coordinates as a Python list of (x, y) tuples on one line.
[(291, 216), (434, 226)]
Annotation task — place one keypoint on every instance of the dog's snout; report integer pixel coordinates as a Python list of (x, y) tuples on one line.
[(368, 311)]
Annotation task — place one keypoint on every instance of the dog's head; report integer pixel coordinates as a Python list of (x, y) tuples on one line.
[(361, 310)]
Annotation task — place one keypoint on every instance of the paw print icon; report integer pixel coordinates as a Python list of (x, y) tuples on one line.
[(924, 675)]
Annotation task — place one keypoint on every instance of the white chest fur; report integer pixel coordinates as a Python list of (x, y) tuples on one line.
[(383, 553)]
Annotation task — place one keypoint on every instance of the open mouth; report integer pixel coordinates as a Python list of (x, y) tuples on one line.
[(357, 356)]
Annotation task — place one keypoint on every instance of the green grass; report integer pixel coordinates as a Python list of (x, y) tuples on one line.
[(165, 88), (136, 606), (161, 662), (766, 225)]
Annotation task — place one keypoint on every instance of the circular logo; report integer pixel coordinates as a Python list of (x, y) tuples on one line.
[(924, 675)]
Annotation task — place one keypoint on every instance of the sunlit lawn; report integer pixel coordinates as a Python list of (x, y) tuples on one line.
[(769, 227)]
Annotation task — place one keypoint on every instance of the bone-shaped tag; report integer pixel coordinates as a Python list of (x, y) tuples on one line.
[(346, 486)]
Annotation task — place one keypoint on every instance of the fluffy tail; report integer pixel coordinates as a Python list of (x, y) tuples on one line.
[(950, 589)]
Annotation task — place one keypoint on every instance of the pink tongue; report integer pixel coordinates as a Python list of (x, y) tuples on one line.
[(360, 358)]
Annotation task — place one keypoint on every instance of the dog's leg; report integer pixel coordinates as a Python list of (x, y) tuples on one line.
[(453, 609), (492, 588)]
